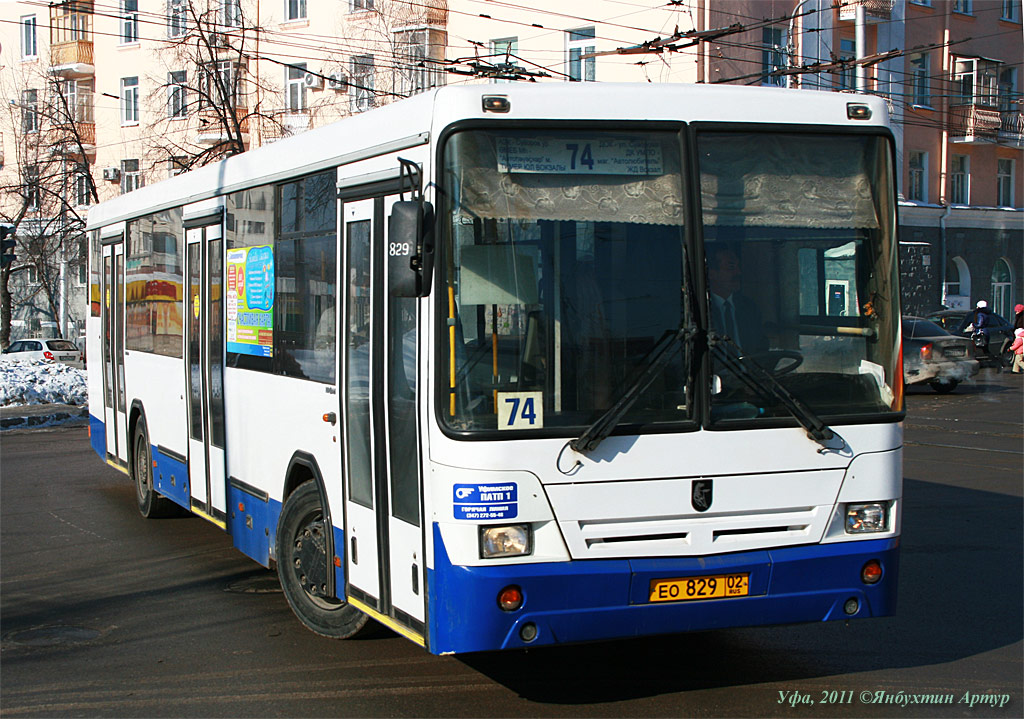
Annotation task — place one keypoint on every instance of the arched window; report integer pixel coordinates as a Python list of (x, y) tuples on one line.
[(1002, 288), (957, 284)]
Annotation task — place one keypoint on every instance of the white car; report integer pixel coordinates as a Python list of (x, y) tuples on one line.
[(52, 349)]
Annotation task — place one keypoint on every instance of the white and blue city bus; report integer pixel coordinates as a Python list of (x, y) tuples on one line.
[(508, 366)]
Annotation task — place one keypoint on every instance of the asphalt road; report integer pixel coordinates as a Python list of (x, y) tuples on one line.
[(105, 614)]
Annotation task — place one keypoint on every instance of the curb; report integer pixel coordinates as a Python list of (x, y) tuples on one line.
[(60, 417)]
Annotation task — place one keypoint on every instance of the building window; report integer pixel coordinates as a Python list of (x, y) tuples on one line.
[(926, 3), (219, 84), (177, 18), (847, 79), (1009, 12), (917, 189), (295, 100), (294, 9), (33, 192), (1008, 97), (129, 100), (772, 56), (959, 180), (131, 177), (29, 47), (360, 5), (1004, 183), (419, 52), (1002, 288), (362, 82), (503, 52), (77, 98), (963, 6), (82, 186), (975, 82), (177, 95), (129, 21), (920, 93), (30, 110), (231, 14), (580, 42)]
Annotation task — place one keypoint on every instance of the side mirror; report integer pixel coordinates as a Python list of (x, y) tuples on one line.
[(410, 248)]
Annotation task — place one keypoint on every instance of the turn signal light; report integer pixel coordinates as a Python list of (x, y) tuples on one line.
[(872, 572), (510, 598), (48, 355), (926, 352)]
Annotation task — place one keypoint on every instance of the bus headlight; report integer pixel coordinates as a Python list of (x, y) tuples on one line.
[(512, 541), (868, 517)]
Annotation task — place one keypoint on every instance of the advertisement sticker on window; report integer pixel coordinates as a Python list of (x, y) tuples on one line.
[(250, 300)]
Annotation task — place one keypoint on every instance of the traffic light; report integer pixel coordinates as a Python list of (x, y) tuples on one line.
[(7, 245)]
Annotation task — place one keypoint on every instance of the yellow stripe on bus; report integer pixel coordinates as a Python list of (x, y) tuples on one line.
[(220, 523), (387, 622), (118, 467)]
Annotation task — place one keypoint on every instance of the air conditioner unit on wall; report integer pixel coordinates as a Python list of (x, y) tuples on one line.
[(337, 81), (112, 174), (313, 82)]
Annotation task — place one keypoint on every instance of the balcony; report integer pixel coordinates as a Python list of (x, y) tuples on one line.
[(71, 39), (211, 126), (973, 124), (72, 59), (1011, 128), (874, 11)]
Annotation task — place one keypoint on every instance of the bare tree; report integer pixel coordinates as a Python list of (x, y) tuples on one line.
[(208, 81), (45, 191)]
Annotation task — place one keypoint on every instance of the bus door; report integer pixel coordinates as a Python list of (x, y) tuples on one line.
[(115, 415), (384, 537), (204, 363)]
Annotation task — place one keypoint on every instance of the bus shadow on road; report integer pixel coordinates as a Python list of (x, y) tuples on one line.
[(959, 596)]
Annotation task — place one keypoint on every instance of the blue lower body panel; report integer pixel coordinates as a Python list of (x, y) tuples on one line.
[(170, 477), (588, 600), (98, 436)]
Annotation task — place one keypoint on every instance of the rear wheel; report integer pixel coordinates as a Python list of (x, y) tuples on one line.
[(302, 567), (944, 387), (151, 504)]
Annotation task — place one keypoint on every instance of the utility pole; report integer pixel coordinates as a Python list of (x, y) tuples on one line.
[(861, 51)]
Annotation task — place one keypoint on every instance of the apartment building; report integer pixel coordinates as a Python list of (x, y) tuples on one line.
[(104, 97)]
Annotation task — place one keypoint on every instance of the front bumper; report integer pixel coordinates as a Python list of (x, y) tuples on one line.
[(588, 600)]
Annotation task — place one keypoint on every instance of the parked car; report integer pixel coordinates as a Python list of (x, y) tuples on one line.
[(933, 355), (46, 348), (956, 323)]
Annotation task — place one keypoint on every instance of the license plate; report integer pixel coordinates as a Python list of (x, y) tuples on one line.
[(954, 351), (67, 357), (715, 586)]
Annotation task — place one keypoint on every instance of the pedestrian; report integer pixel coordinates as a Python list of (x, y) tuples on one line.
[(1018, 317), (1018, 350)]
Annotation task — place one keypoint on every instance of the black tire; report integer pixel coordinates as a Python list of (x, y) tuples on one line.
[(151, 504), (945, 387), (302, 566)]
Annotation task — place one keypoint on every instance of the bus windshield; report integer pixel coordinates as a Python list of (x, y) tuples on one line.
[(801, 270), (565, 270)]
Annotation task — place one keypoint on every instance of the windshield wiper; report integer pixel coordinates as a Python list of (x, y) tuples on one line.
[(764, 382), (650, 369)]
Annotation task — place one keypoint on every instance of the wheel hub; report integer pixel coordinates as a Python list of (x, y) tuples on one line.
[(310, 559)]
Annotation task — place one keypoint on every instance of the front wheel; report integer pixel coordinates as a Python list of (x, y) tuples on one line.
[(302, 567)]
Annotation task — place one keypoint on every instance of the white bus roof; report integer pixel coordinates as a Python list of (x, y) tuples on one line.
[(408, 123)]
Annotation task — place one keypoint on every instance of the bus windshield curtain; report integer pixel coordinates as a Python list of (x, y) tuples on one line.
[(762, 180), (489, 192)]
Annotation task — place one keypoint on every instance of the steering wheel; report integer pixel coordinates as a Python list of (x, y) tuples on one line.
[(769, 361)]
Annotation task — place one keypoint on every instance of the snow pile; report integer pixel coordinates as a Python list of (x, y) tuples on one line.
[(41, 382)]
